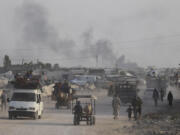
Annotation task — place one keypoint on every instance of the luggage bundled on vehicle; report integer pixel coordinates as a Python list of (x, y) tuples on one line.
[(27, 81)]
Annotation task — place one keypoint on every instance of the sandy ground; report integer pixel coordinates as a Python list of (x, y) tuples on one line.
[(59, 122)]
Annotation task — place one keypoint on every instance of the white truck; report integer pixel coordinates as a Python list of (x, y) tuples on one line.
[(26, 103)]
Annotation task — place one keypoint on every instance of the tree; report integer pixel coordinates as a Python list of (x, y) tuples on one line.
[(48, 66), (56, 66), (40, 65), (6, 62)]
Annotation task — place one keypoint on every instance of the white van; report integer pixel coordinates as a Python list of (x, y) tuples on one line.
[(26, 103)]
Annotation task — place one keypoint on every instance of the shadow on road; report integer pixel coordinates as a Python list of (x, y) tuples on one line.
[(4, 118), (48, 124)]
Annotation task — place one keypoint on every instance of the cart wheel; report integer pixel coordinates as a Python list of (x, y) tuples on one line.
[(57, 106), (11, 117), (69, 106), (94, 120), (88, 121), (35, 115), (91, 120), (76, 121)]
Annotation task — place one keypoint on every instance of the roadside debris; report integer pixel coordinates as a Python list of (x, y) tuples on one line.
[(158, 124)]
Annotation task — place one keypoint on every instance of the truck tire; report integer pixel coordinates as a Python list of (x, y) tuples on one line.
[(57, 106), (35, 116), (91, 120), (10, 117), (40, 116)]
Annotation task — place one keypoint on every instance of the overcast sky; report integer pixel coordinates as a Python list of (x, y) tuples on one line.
[(145, 31)]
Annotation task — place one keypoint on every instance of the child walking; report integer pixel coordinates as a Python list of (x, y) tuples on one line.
[(129, 111)]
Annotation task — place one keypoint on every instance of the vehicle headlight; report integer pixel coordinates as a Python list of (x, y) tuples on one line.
[(12, 108), (31, 108)]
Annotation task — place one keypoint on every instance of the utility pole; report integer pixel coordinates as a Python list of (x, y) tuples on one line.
[(22, 61), (102, 62), (96, 60)]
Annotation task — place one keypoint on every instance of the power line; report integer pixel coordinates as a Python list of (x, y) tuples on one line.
[(151, 38)]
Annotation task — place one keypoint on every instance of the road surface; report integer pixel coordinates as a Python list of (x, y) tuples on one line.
[(60, 122)]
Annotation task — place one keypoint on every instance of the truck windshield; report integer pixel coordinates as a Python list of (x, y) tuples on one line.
[(24, 97)]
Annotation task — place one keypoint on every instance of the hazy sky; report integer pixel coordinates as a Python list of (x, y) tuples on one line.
[(145, 31)]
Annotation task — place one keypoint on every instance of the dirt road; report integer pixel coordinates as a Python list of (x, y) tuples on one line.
[(59, 122)]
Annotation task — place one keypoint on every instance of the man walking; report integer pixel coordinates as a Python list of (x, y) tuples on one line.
[(77, 112), (139, 106), (116, 106), (162, 94), (170, 98), (134, 105), (3, 101), (155, 97)]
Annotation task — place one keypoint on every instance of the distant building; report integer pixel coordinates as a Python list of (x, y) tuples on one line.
[(99, 72)]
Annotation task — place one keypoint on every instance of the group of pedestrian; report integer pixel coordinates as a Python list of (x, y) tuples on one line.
[(156, 96), (136, 105), (135, 108)]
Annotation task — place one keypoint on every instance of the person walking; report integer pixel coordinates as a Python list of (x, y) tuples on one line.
[(116, 106), (65, 87), (162, 94), (3, 101), (155, 97), (134, 105), (110, 91), (77, 112), (139, 106), (170, 98), (129, 111)]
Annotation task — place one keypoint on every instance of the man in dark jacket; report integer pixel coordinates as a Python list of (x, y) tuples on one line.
[(170, 98), (139, 106), (78, 111), (162, 94), (155, 96), (65, 87)]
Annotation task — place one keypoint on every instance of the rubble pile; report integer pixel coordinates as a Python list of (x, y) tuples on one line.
[(157, 124)]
